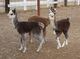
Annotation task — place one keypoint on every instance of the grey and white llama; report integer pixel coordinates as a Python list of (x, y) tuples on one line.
[(24, 28), (59, 27)]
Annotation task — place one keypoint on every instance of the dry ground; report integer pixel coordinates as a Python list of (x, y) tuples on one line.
[(9, 37)]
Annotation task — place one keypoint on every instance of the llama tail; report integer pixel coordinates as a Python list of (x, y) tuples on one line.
[(68, 19)]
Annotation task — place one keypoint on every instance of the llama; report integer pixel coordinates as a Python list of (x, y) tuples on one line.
[(44, 22), (24, 28), (61, 26)]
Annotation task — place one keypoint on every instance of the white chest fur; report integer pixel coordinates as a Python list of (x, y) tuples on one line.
[(13, 23)]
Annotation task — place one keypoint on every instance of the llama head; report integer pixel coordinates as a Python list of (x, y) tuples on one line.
[(12, 13), (52, 12)]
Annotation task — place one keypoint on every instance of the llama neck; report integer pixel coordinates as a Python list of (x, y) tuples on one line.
[(53, 21), (15, 21)]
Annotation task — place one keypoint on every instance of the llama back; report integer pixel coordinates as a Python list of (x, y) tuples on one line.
[(27, 26), (63, 24), (43, 20)]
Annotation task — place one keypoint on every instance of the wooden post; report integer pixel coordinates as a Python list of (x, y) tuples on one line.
[(55, 4), (6, 6), (65, 3), (38, 7)]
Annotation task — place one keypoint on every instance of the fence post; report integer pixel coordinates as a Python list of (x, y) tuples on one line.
[(38, 7), (55, 4), (25, 5), (65, 3), (6, 6)]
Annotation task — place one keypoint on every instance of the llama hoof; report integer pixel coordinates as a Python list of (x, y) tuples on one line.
[(62, 46), (37, 51), (64, 43), (58, 47), (24, 50), (31, 41), (20, 48)]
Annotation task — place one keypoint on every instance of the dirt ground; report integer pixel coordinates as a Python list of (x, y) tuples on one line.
[(9, 38)]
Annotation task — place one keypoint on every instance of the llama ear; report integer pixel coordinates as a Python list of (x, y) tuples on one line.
[(14, 10), (52, 10)]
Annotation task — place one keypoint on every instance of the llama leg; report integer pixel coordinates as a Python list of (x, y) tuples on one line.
[(44, 33), (58, 33), (30, 37), (24, 47), (24, 43), (41, 42), (21, 43), (66, 36), (66, 41), (59, 44)]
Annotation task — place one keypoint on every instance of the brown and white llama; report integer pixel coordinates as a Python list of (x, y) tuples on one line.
[(59, 27), (45, 22), (24, 28)]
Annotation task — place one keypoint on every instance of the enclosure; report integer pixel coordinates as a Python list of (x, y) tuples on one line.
[(9, 38)]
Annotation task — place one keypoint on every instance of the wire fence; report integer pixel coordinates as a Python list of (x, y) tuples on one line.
[(25, 4), (15, 0), (2, 3), (46, 3)]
